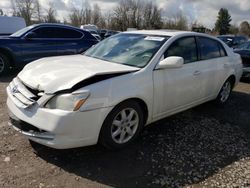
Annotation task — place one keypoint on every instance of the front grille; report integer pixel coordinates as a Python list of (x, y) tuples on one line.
[(23, 95)]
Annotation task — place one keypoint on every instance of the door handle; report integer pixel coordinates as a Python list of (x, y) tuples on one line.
[(196, 73)]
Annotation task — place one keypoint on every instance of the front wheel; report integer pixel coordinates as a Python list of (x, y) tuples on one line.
[(225, 92), (122, 126), (4, 64)]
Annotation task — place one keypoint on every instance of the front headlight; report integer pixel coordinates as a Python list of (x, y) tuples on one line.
[(69, 102)]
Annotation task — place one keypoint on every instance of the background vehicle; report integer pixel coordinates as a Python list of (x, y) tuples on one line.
[(102, 33), (89, 27), (244, 51), (42, 40), (233, 41), (110, 33), (10, 25), (94, 33), (127, 81)]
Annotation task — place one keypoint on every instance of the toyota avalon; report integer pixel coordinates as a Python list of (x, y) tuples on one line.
[(108, 94)]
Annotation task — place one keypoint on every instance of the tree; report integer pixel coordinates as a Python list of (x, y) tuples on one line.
[(38, 11), (245, 28), (178, 22), (81, 16), (234, 29), (25, 9), (96, 15), (222, 24), (1, 12), (76, 17), (51, 15), (136, 14)]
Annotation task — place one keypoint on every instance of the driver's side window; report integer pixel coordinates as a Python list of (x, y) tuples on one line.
[(184, 47)]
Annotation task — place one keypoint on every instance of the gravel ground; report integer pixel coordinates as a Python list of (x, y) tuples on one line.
[(206, 146)]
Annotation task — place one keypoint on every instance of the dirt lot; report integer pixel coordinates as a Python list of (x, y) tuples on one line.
[(205, 146)]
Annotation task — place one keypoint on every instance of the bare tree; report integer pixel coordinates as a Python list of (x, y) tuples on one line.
[(51, 14), (178, 22), (76, 17), (88, 12), (245, 28), (137, 14), (25, 9), (96, 14), (39, 11), (81, 16), (152, 16)]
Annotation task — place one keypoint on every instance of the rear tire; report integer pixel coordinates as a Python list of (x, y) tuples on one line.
[(225, 92), (4, 64), (122, 126)]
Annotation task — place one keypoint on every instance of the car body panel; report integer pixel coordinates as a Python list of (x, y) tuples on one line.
[(24, 50), (245, 56), (45, 74)]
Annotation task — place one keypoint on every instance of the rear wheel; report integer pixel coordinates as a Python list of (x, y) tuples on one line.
[(225, 92), (122, 126), (4, 64)]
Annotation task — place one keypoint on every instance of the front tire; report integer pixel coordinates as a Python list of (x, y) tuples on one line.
[(225, 92), (122, 126), (4, 64)]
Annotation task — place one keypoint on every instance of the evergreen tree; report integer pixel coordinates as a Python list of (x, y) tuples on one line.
[(222, 24)]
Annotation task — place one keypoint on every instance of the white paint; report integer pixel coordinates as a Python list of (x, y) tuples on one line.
[(164, 91)]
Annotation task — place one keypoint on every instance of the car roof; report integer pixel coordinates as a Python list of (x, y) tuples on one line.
[(160, 32), (56, 24)]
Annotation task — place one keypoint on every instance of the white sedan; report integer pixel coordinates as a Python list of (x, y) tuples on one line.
[(117, 87)]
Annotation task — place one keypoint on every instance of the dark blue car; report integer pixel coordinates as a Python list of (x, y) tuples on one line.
[(42, 40), (244, 51)]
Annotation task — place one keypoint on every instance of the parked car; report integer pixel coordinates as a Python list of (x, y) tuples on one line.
[(10, 25), (102, 33), (42, 40), (233, 41), (110, 33), (89, 27), (118, 86), (244, 51), (95, 34)]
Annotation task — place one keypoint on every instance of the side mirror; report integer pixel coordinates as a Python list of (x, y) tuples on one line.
[(30, 35), (170, 63)]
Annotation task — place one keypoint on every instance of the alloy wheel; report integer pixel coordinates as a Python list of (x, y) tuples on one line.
[(225, 92), (124, 125)]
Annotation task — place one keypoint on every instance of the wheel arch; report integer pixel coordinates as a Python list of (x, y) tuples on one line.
[(141, 103)]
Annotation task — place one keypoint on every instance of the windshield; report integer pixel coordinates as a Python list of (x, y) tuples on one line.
[(128, 49), (22, 31)]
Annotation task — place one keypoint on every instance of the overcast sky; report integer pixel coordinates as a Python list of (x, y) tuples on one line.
[(203, 11)]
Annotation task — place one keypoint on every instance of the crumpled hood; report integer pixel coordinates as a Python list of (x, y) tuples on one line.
[(63, 72)]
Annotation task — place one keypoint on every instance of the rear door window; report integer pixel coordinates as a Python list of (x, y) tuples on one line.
[(57, 33)]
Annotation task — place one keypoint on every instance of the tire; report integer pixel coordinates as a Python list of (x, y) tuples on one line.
[(122, 126), (4, 64), (225, 92)]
